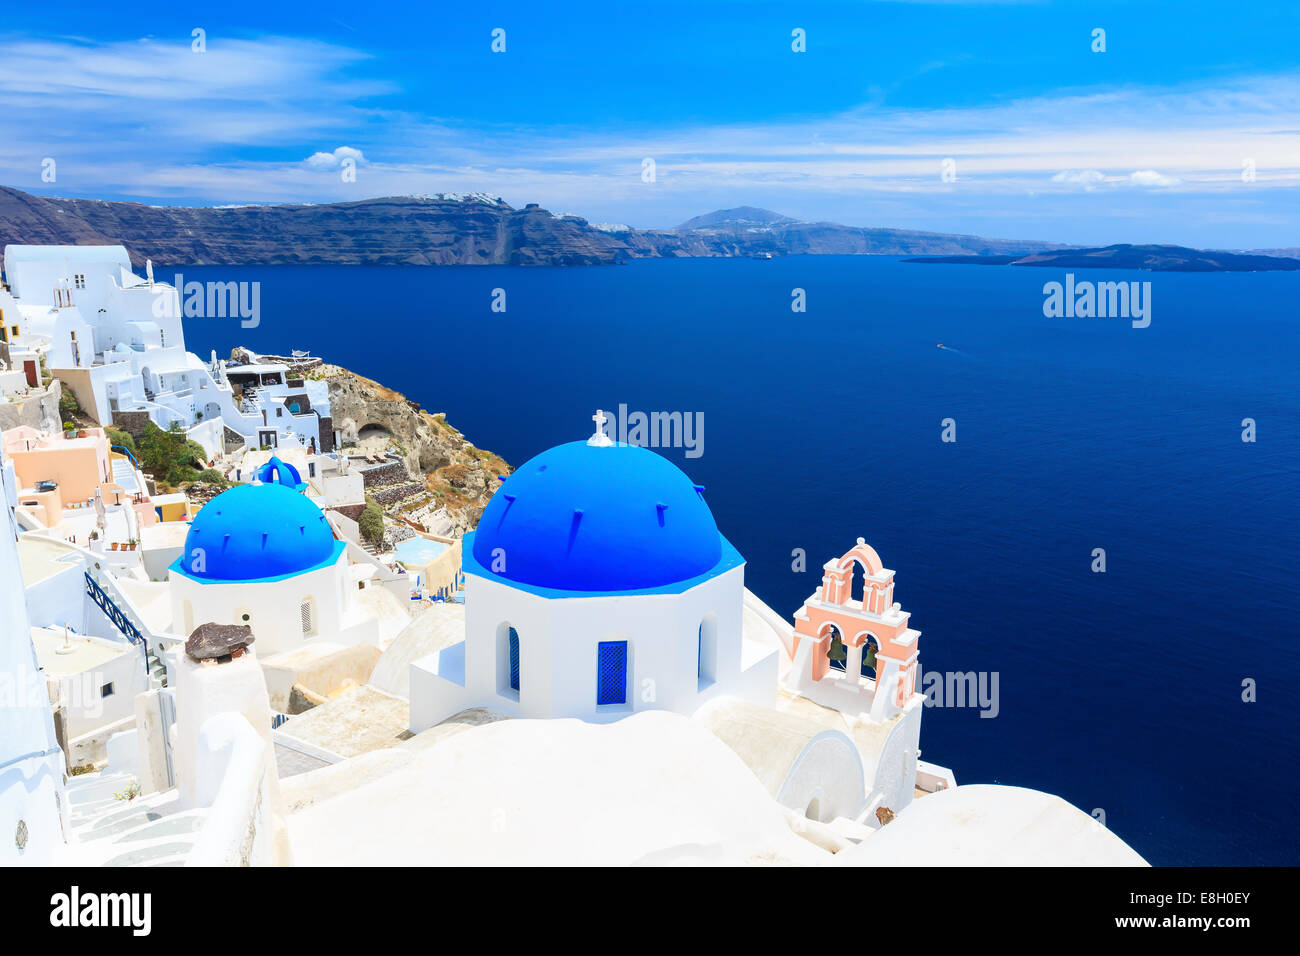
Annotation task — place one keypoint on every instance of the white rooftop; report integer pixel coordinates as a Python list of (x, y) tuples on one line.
[(986, 825)]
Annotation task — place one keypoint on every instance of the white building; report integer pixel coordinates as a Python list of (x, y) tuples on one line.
[(117, 341), (263, 554), (32, 808), (596, 585)]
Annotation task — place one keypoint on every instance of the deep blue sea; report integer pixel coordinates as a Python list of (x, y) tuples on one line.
[(1120, 691)]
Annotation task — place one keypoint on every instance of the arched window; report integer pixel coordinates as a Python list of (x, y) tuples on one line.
[(508, 661), (858, 585), (611, 672), (513, 640), (707, 652)]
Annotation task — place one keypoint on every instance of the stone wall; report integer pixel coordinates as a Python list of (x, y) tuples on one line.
[(133, 423), (388, 474), (351, 511), (31, 411), (386, 497), (231, 439)]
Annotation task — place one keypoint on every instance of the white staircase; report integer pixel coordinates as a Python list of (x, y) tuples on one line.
[(124, 475), (147, 831)]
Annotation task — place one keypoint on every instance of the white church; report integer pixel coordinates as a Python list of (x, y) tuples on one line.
[(263, 554), (597, 584)]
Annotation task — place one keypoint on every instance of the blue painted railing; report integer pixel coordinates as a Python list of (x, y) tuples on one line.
[(117, 616), (126, 451)]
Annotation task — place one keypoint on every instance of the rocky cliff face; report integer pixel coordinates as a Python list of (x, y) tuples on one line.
[(398, 231), (458, 478), (414, 230)]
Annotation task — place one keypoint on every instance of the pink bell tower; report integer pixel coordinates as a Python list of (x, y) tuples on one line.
[(857, 655)]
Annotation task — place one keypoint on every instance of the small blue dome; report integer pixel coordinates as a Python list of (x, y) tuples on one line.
[(255, 532), (582, 517), (278, 472)]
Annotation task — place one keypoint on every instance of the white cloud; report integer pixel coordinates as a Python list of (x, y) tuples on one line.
[(1149, 177), (335, 159), (245, 122), (1087, 178)]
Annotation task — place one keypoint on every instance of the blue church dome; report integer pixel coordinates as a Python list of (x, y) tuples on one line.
[(257, 532), (279, 472), (583, 517)]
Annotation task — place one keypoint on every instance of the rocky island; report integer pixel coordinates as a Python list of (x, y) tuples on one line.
[(442, 230)]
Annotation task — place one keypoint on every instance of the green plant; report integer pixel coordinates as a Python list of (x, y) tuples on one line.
[(130, 793), (119, 437), (371, 523), (68, 405), (212, 477), (169, 455)]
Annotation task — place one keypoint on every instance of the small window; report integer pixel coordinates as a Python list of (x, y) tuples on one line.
[(611, 672), (308, 612), (514, 659), (507, 661), (79, 280), (707, 652), (106, 690)]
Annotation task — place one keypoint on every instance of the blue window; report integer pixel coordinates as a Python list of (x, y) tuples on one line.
[(611, 672), (514, 659)]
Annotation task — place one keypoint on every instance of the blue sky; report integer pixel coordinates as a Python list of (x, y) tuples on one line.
[(1143, 143)]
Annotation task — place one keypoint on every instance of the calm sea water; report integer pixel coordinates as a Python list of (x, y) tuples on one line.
[(1120, 691)]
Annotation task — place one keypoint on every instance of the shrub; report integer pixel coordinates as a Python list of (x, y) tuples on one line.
[(169, 454), (212, 477), (371, 523), (118, 437)]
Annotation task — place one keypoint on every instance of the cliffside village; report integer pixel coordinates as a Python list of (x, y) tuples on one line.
[(247, 629)]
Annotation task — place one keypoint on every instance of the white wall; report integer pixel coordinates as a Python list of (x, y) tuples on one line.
[(86, 709), (558, 640), (31, 764), (274, 608)]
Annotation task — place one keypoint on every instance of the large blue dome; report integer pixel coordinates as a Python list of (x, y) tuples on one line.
[(582, 517), (257, 532)]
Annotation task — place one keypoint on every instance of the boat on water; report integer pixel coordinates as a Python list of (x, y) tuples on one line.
[(761, 255)]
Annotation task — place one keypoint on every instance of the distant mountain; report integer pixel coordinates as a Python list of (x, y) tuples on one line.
[(1124, 256), (452, 229), (731, 219), (748, 230)]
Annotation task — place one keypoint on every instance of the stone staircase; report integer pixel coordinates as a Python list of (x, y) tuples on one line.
[(148, 831)]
